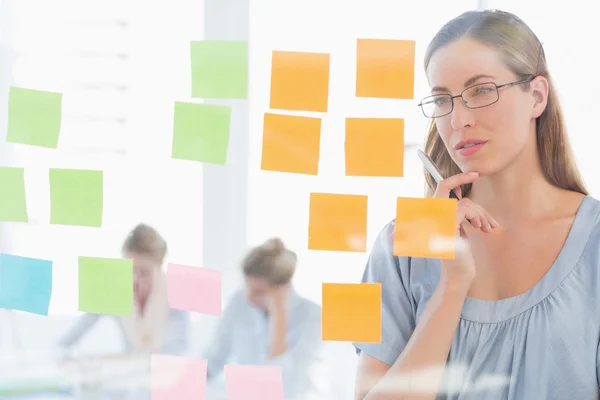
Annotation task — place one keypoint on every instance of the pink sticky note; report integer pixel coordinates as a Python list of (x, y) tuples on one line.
[(253, 382), (194, 289), (177, 378)]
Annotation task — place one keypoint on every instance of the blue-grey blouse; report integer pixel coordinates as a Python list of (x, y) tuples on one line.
[(542, 344)]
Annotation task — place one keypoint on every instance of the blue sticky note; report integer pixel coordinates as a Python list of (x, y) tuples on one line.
[(25, 284)]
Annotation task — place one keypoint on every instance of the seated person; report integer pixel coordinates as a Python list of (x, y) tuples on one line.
[(152, 326), (269, 323)]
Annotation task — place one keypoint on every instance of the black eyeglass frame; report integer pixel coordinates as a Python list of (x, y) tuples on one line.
[(526, 80)]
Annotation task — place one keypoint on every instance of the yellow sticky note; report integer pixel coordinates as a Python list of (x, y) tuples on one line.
[(385, 68), (34, 117), (299, 81), (291, 144), (13, 204), (105, 285), (201, 132), (425, 228), (375, 147), (219, 69), (76, 197), (351, 312), (337, 222)]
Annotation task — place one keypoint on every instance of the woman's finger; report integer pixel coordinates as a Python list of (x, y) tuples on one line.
[(488, 222), (475, 215)]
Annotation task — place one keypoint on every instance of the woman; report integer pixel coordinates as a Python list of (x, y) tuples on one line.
[(152, 326), (269, 323), (515, 314)]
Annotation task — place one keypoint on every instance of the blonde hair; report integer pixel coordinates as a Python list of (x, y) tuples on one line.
[(271, 261), (145, 240), (523, 54)]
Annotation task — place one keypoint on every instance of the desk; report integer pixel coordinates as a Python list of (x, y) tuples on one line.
[(87, 378), (34, 387), (102, 378)]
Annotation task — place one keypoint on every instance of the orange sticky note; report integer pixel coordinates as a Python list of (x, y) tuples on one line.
[(385, 68), (425, 228), (351, 312), (375, 147), (291, 144), (299, 81), (337, 222)]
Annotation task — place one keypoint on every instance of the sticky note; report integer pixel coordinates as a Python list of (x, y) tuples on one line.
[(194, 289), (180, 378), (351, 312), (299, 81), (201, 132), (13, 207), (76, 197), (34, 117), (105, 285), (385, 68), (253, 382), (219, 69), (425, 228), (25, 284), (375, 147), (337, 222), (291, 144)]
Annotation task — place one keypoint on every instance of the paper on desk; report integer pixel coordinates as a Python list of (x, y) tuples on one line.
[(253, 382), (178, 378)]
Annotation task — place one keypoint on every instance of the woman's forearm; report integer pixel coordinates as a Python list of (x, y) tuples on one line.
[(78, 330), (278, 345), (419, 370)]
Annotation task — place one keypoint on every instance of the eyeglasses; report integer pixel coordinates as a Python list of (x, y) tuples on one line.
[(476, 96)]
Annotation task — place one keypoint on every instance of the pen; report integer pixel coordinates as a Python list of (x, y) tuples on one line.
[(432, 169)]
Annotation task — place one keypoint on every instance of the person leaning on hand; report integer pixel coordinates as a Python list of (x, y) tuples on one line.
[(269, 323)]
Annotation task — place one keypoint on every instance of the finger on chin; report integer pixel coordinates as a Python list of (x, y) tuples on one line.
[(458, 192)]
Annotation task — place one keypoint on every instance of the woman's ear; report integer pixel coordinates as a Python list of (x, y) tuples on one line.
[(539, 90)]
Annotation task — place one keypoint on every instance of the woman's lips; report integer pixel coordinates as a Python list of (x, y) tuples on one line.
[(470, 149)]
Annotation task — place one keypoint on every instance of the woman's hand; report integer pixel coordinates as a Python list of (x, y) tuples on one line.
[(463, 266), (467, 212), (277, 298)]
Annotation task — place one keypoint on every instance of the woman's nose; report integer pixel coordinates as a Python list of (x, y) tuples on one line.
[(462, 116)]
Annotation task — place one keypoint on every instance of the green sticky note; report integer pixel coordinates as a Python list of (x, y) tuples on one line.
[(13, 207), (219, 69), (201, 132), (76, 197), (105, 285), (34, 117)]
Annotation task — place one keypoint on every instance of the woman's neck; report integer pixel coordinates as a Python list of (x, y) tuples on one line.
[(517, 193), (513, 202), (141, 302)]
